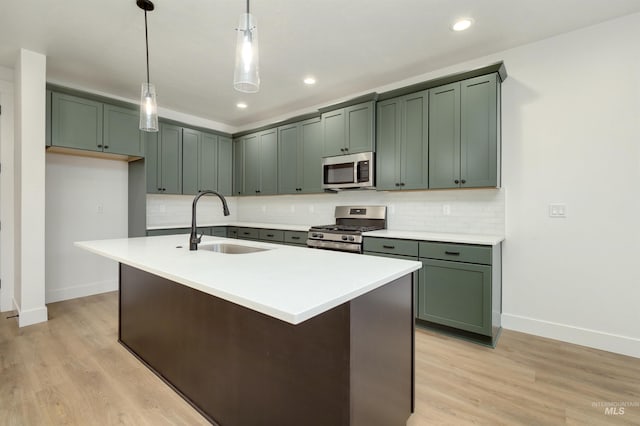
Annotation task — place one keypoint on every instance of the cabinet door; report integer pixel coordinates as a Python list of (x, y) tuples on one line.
[(269, 162), (190, 143), (359, 130), (171, 158), (444, 136), (225, 165), (76, 122), (416, 276), (414, 170), (47, 120), (121, 133), (479, 132), (288, 159), (456, 294), (311, 145), (208, 163), (152, 162), (252, 164), (334, 133), (238, 167), (388, 151)]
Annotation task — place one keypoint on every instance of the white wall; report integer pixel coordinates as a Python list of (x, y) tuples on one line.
[(6, 190), (571, 120), (86, 199), (29, 173)]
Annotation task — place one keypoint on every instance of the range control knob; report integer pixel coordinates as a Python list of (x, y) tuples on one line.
[(314, 235), (344, 237), (351, 238)]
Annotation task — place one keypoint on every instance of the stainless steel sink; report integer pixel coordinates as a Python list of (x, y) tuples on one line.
[(231, 248)]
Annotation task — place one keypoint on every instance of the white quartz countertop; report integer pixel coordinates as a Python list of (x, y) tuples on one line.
[(290, 283), (444, 237), (491, 240)]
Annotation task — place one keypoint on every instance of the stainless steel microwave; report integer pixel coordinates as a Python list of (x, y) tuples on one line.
[(350, 171)]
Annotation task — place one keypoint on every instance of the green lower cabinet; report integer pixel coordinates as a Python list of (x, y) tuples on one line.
[(416, 275), (456, 294), (296, 238), (219, 231)]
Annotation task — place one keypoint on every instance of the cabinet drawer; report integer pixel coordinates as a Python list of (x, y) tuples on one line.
[(456, 252), (391, 246), (295, 237), (271, 235), (219, 231), (248, 233)]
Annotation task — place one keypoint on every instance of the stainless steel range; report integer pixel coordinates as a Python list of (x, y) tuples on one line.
[(346, 233)]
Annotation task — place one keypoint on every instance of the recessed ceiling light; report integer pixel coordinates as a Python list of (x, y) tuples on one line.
[(309, 81), (462, 24), (241, 105)]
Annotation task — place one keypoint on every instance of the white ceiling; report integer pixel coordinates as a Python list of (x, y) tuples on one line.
[(350, 46)]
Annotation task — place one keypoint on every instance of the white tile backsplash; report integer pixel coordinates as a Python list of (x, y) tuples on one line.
[(175, 210), (478, 211)]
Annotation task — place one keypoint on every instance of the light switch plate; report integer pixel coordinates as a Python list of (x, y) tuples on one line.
[(558, 210)]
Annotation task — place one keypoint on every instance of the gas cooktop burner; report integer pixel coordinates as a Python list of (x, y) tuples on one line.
[(346, 228)]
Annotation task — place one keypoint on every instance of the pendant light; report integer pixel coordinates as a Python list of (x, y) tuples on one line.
[(246, 77), (148, 105)]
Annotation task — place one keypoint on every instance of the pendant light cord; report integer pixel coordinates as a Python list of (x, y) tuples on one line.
[(146, 40)]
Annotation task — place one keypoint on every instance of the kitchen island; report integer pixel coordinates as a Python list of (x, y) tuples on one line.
[(285, 335)]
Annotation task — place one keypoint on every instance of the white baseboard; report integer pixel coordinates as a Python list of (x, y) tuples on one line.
[(580, 336), (66, 293), (30, 316)]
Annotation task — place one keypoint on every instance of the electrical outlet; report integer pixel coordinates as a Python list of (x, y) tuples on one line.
[(446, 209), (100, 208), (558, 210)]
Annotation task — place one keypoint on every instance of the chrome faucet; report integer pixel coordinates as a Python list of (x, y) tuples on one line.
[(194, 240)]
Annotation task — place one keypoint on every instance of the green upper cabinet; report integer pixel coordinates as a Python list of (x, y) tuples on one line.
[(349, 130), (252, 163), (463, 134), (80, 123), (199, 161), (402, 142), (152, 162), (479, 153), (269, 162), (47, 125), (208, 163), (289, 159), (260, 175), (225, 165), (360, 126), (121, 132), (238, 167), (311, 142), (76, 122), (299, 157), (191, 141), (335, 137), (170, 159)]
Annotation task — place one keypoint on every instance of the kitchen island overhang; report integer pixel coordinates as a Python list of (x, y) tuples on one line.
[(348, 362)]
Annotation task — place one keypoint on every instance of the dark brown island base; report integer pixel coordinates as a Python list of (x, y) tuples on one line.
[(351, 365)]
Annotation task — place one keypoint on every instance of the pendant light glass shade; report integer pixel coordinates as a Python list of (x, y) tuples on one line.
[(148, 105), (148, 108), (246, 77)]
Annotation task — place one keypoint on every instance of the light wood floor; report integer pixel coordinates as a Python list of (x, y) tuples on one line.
[(71, 370)]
